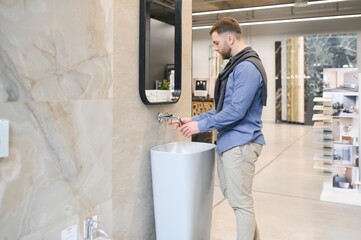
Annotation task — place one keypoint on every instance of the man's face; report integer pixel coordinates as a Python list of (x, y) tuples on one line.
[(221, 45)]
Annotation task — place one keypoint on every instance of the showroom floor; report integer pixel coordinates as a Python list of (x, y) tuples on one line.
[(286, 193)]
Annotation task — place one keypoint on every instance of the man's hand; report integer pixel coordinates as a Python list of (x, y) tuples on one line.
[(176, 124), (189, 128)]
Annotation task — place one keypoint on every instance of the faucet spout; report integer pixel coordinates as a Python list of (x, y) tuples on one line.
[(101, 232), (90, 229), (166, 116)]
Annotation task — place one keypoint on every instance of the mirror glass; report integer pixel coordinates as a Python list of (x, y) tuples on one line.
[(160, 51)]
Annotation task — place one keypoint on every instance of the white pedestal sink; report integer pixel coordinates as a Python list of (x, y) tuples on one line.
[(182, 176)]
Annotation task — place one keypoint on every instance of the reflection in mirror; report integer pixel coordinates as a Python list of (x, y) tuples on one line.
[(160, 51)]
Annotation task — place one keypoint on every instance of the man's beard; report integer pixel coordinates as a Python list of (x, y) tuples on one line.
[(227, 53)]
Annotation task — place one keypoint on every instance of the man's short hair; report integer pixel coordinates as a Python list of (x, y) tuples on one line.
[(226, 24)]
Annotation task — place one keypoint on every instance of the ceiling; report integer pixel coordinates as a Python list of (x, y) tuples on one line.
[(323, 8)]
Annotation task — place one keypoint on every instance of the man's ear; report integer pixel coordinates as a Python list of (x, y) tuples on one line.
[(230, 39)]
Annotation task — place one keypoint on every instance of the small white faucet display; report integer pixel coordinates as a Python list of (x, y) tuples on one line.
[(90, 228)]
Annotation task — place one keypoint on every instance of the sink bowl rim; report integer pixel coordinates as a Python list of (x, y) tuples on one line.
[(163, 148)]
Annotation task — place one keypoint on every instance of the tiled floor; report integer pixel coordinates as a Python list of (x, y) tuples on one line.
[(286, 194)]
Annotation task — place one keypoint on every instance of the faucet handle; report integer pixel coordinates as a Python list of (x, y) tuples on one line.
[(163, 116), (166, 116)]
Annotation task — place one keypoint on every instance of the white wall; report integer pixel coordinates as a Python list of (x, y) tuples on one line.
[(262, 38)]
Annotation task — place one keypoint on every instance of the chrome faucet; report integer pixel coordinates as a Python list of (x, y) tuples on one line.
[(166, 116), (90, 228)]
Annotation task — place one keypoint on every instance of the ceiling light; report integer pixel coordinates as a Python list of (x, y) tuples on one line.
[(243, 9), (264, 7), (301, 3), (289, 20)]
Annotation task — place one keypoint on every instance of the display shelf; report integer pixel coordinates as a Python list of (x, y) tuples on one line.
[(341, 143), (326, 144), (323, 173), (324, 131), (323, 166), (336, 163), (346, 115), (340, 195), (322, 158), (322, 117), (201, 105), (327, 137), (322, 108), (344, 93), (337, 115), (327, 152), (322, 100), (322, 125), (323, 121), (324, 141)]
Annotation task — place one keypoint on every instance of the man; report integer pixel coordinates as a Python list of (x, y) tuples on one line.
[(240, 94)]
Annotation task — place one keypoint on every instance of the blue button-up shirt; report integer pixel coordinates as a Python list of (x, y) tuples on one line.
[(239, 122)]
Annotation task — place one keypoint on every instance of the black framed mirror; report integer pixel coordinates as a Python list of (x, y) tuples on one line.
[(160, 51)]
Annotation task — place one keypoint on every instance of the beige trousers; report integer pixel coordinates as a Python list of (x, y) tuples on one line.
[(236, 169)]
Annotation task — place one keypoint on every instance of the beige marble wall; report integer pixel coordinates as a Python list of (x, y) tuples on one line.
[(80, 135), (56, 88), (135, 128)]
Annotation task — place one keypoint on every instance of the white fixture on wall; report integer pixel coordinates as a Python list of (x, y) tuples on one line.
[(4, 138), (70, 233)]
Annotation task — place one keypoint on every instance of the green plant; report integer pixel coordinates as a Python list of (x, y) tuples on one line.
[(165, 85)]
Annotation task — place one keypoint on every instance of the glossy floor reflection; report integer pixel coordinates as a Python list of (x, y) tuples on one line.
[(286, 194)]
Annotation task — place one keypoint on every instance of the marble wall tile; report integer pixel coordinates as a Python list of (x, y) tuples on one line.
[(75, 151), (133, 137), (56, 88), (126, 50), (59, 163), (55, 50), (136, 129), (53, 231)]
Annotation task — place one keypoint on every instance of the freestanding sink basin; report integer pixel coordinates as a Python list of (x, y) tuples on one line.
[(182, 176)]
